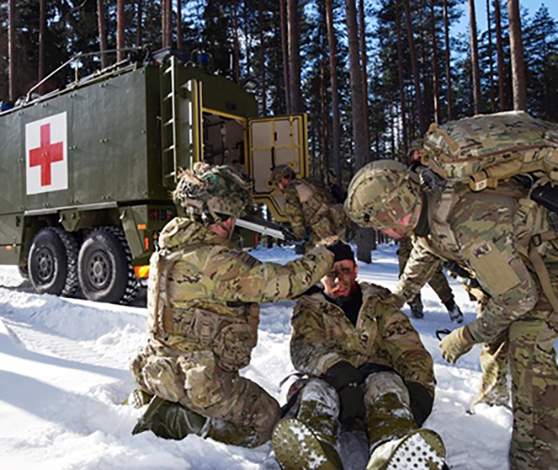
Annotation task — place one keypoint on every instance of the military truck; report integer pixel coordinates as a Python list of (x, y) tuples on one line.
[(86, 171)]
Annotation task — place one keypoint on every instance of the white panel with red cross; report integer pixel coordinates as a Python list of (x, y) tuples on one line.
[(46, 154)]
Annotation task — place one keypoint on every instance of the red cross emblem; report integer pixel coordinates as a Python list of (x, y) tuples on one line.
[(45, 155)]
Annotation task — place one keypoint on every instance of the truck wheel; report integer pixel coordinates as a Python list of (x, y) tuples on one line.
[(52, 262), (104, 267)]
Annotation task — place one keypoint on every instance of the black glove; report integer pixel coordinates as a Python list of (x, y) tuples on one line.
[(346, 380), (342, 374), (341, 251)]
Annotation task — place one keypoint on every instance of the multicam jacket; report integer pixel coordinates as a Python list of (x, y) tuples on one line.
[(204, 295), (323, 335), (309, 207), (492, 234)]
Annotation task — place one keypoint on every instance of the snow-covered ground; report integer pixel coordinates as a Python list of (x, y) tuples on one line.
[(64, 374)]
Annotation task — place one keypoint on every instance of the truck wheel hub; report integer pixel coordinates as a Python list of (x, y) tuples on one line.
[(99, 270), (45, 263)]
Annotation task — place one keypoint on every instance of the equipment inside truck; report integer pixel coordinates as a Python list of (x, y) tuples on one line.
[(223, 139)]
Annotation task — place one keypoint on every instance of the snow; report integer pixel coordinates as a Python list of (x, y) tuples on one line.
[(64, 375)]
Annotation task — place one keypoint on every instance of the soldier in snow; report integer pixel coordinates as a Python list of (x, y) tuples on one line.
[(501, 236), (438, 283), (312, 212), (203, 317), (366, 369)]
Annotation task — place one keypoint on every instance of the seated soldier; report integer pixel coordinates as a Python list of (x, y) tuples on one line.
[(365, 368)]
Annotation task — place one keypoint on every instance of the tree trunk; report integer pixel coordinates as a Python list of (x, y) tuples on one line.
[(475, 71), (449, 97), (297, 105), (517, 61), (360, 132), (502, 98), (435, 68), (363, 61), (102, 32), (323, 172), (285, 52), (236, 43), (166, 23), (139, 29), (414, 68), (42, 25), (120, 30), (179, 39), (11, 50), (401, 79), (336, 119), (263, 91), (490, 64)]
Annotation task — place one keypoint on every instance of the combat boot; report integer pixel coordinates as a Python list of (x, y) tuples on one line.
[(297, 447), (138, 398), (417, 309), (454, 311), (421, 449), (170, 420)]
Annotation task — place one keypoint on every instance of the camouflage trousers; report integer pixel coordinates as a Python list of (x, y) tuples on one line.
[(240, 411), (386, 401), (438, 282), (526, 351)]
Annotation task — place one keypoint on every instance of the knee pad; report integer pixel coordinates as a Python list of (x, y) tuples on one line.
[(380, 384), (323, 394)]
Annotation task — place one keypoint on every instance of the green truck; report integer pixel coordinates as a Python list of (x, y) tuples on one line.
[(86, 171)]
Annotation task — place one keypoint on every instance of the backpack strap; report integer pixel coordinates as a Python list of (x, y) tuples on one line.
[(541, 269)]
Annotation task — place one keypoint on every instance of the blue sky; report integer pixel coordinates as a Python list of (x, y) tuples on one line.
[(480, 6)]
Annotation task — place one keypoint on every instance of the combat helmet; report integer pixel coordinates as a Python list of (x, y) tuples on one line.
[(381, 193), (281, 171), (212, 193)]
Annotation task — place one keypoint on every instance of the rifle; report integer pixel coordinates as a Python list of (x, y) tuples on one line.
[(265, 227)]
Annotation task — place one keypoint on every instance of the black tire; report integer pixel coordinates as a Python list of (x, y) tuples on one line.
[(48, 265), (104, 267), (71, 287)]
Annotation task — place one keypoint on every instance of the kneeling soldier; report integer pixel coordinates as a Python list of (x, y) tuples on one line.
[(203, 317)]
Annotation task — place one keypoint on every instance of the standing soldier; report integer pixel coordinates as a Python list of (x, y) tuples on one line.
[(366, 369), (312, 212), (438, 282), (203, 317), (505, 239)]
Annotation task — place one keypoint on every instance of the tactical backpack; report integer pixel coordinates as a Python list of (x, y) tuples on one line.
[(486, 149)]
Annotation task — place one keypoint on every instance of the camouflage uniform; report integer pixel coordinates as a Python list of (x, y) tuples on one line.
[(439, 283), (490, 233), (323, 336), (309, 207), (203, 320)]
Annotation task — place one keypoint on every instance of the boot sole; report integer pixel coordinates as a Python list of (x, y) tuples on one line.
[(297, 448), (422, 450)]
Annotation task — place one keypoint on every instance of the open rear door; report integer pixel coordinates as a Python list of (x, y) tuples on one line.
[(276, 141)]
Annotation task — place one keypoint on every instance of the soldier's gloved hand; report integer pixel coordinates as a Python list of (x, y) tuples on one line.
[(346, 379), (457, 343), (342, 374)]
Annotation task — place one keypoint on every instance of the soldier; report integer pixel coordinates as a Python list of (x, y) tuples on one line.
[(311, 210), (203, 317), (439, 284), (366, 369), (492, 234)]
